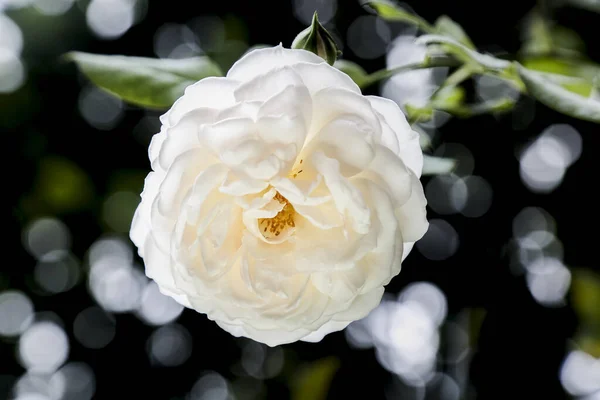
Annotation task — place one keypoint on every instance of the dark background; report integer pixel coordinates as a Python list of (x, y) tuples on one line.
[(521, 344)]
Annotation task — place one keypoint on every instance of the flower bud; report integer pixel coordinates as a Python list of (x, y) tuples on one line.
[(317, 40)]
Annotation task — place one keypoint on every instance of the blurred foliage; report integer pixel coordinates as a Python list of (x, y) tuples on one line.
[(543, 37), (4, 282), (312, 381), (234, 43), (476, 317), (590, 5), (61, 186), (389, 10), (585, 295), (446, 26)]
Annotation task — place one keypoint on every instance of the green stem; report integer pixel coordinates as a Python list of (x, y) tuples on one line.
[(467, 111), (387, 73), (416, 21), (456, 78)]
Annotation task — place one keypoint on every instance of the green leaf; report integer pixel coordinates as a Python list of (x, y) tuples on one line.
[(353, 70), (146, 82), (438, 165), (580, 68), (390, 11), (559, 98), (318, 40), (312, 382), (446, 26)]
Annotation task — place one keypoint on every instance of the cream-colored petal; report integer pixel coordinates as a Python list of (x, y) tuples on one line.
[(409, 148), (323, 75), (258, 61), (212, 92), (332, 103), (413, 214), (268, 84), (348, 140)]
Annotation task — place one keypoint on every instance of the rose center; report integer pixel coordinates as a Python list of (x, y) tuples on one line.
[(273, 227)]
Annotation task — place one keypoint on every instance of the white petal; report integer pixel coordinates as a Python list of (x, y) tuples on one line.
[(258, 61), (332, 103), (408, 140), (329, 327), (345, 195), (237, 187), (348, 140), (247, 109), (224, 135), (283, 130), (413, 214), (183, 136), (299, 191), (361, 306), (389, 172), (211, 92), (140, 225), (323, 75), (290, 102), (407, 249), (204, 184), (179, 179), (384, 261), (155, 145), (324, 216), (158, 268), (267, 84), (334, 285)]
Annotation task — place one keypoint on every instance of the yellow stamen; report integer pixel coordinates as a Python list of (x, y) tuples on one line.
[(273, 227)]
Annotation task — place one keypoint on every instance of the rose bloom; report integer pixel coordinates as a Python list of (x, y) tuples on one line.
[(281, 200)]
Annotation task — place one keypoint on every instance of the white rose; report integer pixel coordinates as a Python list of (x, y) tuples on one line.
[(281, 199)]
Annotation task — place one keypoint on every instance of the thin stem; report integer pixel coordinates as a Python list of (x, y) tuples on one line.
[(418, 22), (456, 78), (387, 73), (466, 111)]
